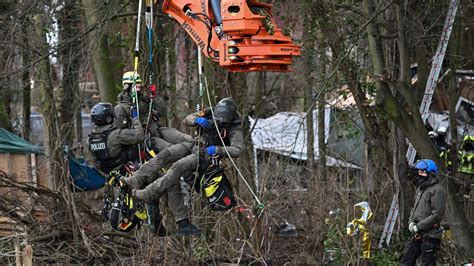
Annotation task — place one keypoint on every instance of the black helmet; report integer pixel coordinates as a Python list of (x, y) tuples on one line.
[(225, 110), (102, 114)]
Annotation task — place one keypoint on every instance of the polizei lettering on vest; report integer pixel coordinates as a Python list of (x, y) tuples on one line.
[(193, 34), (97, 146)]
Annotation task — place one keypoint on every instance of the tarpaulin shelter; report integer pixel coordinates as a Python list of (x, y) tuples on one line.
[(286, 134), (21, 162), (11, 143)]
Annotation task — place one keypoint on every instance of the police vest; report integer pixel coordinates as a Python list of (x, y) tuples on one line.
[(98, 147)]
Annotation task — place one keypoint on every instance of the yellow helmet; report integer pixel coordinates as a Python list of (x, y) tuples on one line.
[(129, 76)]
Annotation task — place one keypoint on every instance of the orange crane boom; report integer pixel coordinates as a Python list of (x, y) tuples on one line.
[(251, 41)]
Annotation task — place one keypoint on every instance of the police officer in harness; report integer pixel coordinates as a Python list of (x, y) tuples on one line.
[(229, 124), (112, 147), (426, 215)]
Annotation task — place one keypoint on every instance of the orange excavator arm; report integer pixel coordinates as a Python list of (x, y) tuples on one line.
[(251, 40)]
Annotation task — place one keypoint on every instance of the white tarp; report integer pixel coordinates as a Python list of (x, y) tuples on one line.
[(285, 133)]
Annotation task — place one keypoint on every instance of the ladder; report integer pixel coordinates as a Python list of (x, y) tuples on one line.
[(435, 70), (389, 223)]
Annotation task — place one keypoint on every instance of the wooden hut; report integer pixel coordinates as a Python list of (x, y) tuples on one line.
[(18, 161)]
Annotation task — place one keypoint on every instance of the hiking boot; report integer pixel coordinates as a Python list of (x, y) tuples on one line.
[(185, 228)]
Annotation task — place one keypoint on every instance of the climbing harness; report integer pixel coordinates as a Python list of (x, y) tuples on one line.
[(122, 211)]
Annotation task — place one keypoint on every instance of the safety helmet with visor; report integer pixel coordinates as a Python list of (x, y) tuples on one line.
[(224, 112), (426, 167), (129, 78), (102, 114)]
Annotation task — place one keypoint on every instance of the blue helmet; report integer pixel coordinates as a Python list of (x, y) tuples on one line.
[(427, 165)]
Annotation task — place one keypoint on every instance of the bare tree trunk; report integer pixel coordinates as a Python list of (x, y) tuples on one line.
[(4, 52), (180, 71), (322, 168), (400, 148), (259, 97), (71, 56), (309, 59), (26, 81), (4, 119), (103, 68), (411, 124)]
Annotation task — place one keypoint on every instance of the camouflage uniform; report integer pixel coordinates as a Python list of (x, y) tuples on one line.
[(234, 142)]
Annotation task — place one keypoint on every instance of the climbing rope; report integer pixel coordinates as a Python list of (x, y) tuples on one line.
[(151, 73), (135, 71)]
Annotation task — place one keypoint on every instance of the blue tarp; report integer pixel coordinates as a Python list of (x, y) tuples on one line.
[(85, 177), (11, 143)]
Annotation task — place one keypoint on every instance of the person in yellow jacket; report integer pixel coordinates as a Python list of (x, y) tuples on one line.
[(466, 155)]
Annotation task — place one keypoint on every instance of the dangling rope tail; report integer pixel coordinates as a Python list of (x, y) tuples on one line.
[(199, 105), (151, 72), (135, 70)]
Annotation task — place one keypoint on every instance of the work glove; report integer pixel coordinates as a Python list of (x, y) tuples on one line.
[(202, 122), (211, 150), (412, 227), (134, 112)]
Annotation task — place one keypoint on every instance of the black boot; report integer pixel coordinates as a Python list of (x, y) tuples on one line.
[(185, 228)]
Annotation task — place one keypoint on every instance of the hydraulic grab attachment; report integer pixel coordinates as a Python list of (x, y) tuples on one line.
[(242, 38)]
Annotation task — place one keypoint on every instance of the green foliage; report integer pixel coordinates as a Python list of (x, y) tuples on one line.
[(368, 87), (200, 250), (352, 180), (333, 238), (386, 258)]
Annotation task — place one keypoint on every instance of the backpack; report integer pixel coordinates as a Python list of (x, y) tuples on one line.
[(216, 189), (122, 211), (126, 213)]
